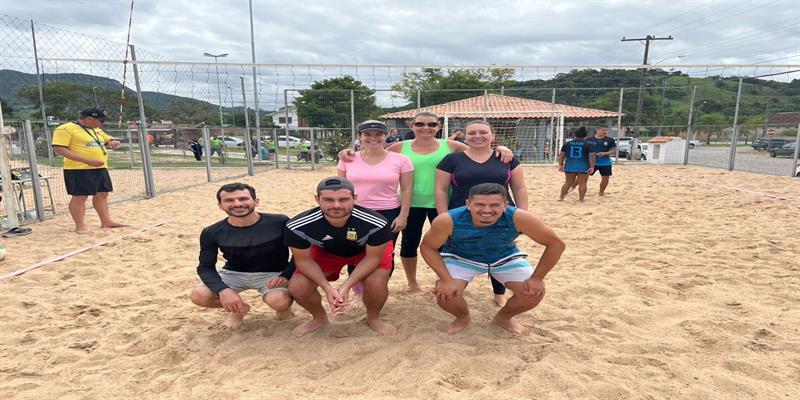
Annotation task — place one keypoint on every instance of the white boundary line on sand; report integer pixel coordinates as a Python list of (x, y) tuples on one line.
[(772, 196), (79, 251)]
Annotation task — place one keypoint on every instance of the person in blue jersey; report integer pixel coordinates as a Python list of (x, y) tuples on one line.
[(255, 258), (478, 238), (604, 147), (576, 161)]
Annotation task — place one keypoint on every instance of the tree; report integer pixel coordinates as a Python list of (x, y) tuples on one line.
[(712, 123), (327, 103), (7, 109), (437, 87)]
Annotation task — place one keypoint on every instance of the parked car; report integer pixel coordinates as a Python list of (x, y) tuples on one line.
[(694, 143), (644, 149), (785, 150), (293, 141), (769, 143), (624, 146), (231, 141)]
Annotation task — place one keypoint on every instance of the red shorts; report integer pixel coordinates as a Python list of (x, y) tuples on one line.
[(332, 264)]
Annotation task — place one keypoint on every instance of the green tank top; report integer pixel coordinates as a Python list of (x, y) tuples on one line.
[(425, 173)]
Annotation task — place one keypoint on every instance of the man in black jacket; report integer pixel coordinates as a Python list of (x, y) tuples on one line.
[(255, 258)]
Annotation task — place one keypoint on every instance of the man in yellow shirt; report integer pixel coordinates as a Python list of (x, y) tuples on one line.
[(83, 145)]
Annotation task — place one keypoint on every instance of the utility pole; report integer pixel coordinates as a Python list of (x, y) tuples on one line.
[(640, 99)]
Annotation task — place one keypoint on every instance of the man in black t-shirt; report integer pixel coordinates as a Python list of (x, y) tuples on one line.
[(604, 147), (255, 258), (325, 239)]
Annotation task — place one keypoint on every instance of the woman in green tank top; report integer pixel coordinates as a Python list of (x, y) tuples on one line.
[(425, 152)]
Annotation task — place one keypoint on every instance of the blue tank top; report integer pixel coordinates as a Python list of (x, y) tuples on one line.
[(485, 245)]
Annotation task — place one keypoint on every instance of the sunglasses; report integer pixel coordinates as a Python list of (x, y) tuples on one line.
[(429, 124)]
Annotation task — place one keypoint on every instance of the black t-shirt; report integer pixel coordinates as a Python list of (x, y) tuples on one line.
[(364, 227), (391, 139), (466, 173), (255, 248)]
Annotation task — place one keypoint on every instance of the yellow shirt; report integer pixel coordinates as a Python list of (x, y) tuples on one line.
[(88, 143)]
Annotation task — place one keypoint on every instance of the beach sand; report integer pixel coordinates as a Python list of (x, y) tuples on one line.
[(670, 288)]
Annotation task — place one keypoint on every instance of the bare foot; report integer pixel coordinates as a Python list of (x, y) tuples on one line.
[(512, 326), (113, 225), (560, 198), (383, 328), (284, 315), (82, 229), (310, 326), (414, 288), (233, 323), (500, 300), (602, 194), (456, 326)]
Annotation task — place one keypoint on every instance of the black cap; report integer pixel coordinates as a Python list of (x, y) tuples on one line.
[(94, 113), (372, 126), (335, 183)]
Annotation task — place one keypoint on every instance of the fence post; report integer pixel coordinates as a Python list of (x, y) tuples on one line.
[(796, 151), (689, 127), (619, 123), (735, 127), (41, 99), (248, 145), (130, 145), (313, 151), (33, 162), (9, 201), (147, 165), (286, 139), (419, 100), (207, 150), (352, 118), (553, 139)]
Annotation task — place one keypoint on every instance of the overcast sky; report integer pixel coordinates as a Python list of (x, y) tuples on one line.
[(446, 32)]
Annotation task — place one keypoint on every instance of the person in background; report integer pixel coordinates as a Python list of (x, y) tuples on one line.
[(83, 145), (393, 137)]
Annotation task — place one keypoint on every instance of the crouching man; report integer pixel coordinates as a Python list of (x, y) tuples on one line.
[(479, 238), (255, 258)]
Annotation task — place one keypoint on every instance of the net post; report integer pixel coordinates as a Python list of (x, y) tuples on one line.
[(147, 165), (34, 166), (286, 129), (207, 144), (732, 160), (689, 126), (41, 98), (9, 200), (796, 152), (619, 123)]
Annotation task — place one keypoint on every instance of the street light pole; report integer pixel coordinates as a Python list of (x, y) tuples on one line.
[(219, 89)]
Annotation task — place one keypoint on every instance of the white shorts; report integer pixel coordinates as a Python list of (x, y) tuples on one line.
[(513, 268)]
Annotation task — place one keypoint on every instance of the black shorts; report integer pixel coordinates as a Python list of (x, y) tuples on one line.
[(605, 170), (87, 182)]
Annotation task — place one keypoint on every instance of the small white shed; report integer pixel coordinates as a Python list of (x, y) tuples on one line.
[(666, 150)]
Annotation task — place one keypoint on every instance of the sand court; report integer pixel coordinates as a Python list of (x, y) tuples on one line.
[(681, 283)]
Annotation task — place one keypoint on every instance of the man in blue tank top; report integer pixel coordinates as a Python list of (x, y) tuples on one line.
[(479, 238)]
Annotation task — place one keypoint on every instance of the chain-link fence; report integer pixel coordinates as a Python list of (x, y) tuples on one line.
[(186, 123)]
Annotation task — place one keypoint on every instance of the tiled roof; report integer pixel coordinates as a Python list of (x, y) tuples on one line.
[(509, 106), (784, 118), (663, 139)]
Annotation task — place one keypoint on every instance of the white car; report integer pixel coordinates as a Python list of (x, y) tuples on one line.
[(293, 141), (231, 141)]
